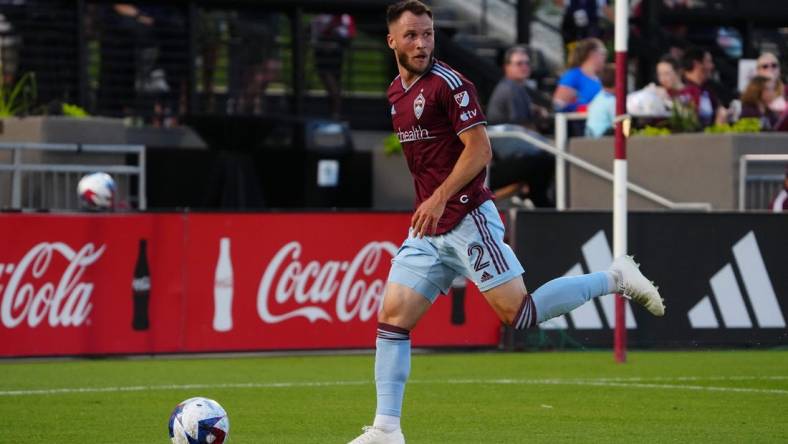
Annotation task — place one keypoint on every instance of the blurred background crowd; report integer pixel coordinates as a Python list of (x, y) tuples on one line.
[(243, 73)]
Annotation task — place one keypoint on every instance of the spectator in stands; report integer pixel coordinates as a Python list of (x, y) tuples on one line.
[(602, 110), (655, 100), (128, 74), (579, 84), (331, 34), (168, 77), (510, 101), (140, 73), (755, 101), (780, 202), (254, 61), (768, 66), (698, 67), (669, 77), (519, 169)]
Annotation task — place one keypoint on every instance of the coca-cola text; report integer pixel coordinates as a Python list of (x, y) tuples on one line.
[(27, 295), (313, 285)]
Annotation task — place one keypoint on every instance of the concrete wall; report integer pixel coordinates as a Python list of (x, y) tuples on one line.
[(681, 168)]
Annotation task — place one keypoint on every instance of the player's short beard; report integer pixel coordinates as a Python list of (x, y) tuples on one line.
[(402, 58)]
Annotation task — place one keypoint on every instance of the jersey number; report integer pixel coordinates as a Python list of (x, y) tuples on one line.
[(480, 263)]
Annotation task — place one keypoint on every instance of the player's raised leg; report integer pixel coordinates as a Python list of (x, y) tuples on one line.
[(521, 310), (560, 296)]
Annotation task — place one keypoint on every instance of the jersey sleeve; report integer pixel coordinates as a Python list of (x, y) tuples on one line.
[(462, 106)]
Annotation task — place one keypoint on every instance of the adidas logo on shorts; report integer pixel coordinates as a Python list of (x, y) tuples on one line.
[(486, 276)]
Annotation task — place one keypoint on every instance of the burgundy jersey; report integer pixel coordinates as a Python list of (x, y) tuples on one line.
[(428, 118)]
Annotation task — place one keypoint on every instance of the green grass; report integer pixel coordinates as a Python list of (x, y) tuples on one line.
[(658, 397)]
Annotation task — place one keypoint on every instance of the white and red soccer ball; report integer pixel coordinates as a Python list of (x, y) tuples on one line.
[(199, 421), (97, 191)]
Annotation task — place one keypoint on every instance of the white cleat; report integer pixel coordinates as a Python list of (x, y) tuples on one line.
[(633, 285), (374, 435)]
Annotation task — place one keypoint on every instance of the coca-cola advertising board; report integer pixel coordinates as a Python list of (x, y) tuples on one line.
[(66, 284), (306, 281), (159, 283)]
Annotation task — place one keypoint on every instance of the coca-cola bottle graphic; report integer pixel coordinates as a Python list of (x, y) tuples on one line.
[(140, 288), (223, 289)]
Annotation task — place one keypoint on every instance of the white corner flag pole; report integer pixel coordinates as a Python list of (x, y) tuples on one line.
[(620, 169)]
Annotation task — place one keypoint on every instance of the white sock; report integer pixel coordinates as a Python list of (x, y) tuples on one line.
[(386, 423)]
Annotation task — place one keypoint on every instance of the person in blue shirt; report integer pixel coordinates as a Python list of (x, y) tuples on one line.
[(602, 109), (579, 84)]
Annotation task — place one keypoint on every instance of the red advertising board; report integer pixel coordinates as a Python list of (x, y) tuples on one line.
[(160, 283), (66, 283)]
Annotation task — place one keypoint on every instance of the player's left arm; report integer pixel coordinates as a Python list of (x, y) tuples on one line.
[(474, 157)]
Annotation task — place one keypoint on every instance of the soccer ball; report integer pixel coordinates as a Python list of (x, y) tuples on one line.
[(97, 191), (199, 421)]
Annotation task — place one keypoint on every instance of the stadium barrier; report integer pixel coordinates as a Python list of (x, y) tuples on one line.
[(722, 275), (98, 284)]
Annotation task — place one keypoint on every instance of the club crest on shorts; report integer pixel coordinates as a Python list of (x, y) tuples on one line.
[(418, 104), (462, 98)]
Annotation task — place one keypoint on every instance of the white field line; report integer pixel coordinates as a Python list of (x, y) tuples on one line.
[(647, 383), (148, 388), (694, 378), (604, 383)]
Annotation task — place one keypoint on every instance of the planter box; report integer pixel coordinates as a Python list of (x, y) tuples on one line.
[(58, 129), (682, 168)]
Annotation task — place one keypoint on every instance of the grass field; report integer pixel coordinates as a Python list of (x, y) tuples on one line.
[(657, 397)]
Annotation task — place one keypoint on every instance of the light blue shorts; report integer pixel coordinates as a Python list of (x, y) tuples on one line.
[(474, 249)]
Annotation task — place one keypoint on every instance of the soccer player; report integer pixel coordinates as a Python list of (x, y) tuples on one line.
[(456, 229)]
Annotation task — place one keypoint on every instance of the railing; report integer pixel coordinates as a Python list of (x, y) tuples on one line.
[(559, 151), (762, 186), (53, 185)]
